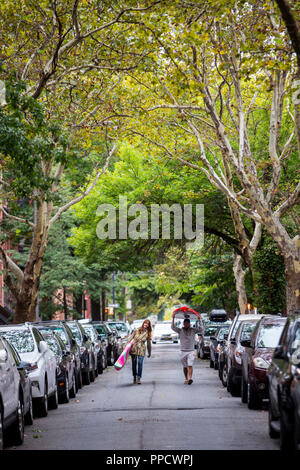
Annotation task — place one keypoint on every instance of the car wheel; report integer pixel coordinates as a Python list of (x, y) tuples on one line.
[(296, 430), (92, 375), (79, 380), (65, 397), (224, 375), (96, 370), (254, 402), (1, 429), (272, 432), (43, 403), (286, 431), (109, 358), (201, 354), (29, 415), (17, 428), (53, 400), (220, 369), (101, 365), (244, 392), (232, 388), (86, 377), (72, 392)]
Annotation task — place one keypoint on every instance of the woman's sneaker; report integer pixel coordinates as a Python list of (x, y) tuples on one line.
[(138, 380), (134, 380)]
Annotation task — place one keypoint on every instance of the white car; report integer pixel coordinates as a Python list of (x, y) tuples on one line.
[(11, 399), (33, 349), (163, 332)]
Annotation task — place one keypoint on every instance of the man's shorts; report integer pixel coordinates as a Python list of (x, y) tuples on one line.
[(187, 358)]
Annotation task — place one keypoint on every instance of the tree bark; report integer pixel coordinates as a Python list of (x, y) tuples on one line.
[(239, 275)]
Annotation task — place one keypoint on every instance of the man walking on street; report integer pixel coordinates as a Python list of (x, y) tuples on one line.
[(187, 346)]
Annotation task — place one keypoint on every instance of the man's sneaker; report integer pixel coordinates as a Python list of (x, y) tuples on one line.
[(138, 380), (134, 380)]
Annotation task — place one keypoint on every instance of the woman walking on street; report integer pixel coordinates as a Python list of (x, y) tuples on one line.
[(141, 336)]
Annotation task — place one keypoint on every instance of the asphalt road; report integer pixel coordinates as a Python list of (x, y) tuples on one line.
[(160, 414)]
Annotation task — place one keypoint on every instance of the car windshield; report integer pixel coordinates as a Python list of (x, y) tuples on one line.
[(120, 326), (61, 333), (269, 335), (222, 333), (210, 330), (21, 339), (75, 331), (53, 344), (90, 332), (101, 330), (247, 331)]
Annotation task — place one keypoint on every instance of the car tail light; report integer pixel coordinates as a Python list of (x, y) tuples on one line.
[(33, 366)]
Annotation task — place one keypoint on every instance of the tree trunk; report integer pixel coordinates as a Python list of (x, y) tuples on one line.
[(28, 293), (96, 310), (292, 275), (239, 275)]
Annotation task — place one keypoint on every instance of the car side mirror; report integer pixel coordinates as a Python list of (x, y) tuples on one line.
[(233, 341), (246, 343), (43, 347), (99, 337), (85, 338), (226, 336), (3, 355), (212, 338), (23, 365)]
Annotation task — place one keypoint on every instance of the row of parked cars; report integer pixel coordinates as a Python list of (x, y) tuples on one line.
[(45, 363), (258, 359)]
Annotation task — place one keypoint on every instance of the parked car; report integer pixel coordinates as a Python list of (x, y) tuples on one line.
[(215, 341), (284, 386), (256, 359), (121, 328), (99, 344), (88, 356), (117, 342), (33, 349), (61, 328), (163, 332), (136, 324), (235, 353), (11, 398), (204, 340), (25, 382), (110, 339), (66, 374), (225, 358)]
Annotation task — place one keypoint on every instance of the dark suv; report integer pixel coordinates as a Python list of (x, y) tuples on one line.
[(256, 359), (235, 354), (203, 345), (229, 345), (66, 377), (216, 341), (284, 386), (61, 328), (112, 345), (88, 355)]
